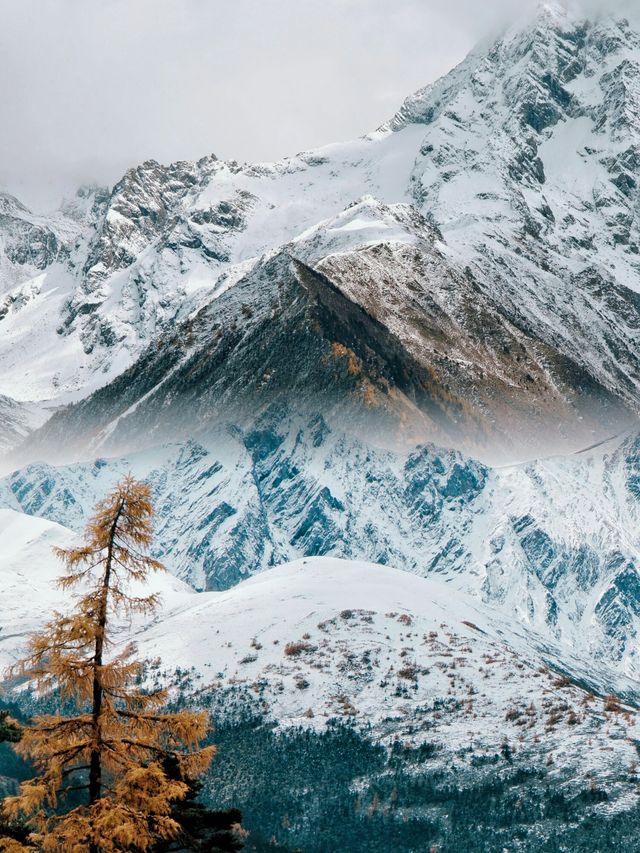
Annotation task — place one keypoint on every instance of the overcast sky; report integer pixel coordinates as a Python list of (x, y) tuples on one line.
[(90, 87)]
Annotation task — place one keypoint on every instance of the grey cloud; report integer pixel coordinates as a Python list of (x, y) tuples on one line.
[(90, 87)]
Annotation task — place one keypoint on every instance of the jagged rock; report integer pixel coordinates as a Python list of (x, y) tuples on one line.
[(538, 541), (514, 160)]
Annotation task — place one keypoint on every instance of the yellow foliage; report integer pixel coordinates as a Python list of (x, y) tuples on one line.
[(112, 750), (369, 394), (10, 845), (354, 366)]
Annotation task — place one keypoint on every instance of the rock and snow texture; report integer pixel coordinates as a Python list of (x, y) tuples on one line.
[(553, 544), (322, 639), (466, 276), (387, 337), (523, 302), (17, 421)]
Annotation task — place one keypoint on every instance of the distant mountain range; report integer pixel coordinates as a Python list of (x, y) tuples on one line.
[(419, 349)]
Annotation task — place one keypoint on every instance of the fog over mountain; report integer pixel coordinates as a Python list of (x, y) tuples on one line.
[(89, 88), (384, 393)]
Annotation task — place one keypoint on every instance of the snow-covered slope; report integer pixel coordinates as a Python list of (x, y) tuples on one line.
[(30, 243), (28, 574), (552, 543), (17, 421), (362, 320), (523, 306), (322, 639), (285, 351), (165, 235)]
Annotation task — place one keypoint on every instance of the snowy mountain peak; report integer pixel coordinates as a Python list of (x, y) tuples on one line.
[(345, 355), (556, 14), (553, 9), (505, 193), (9, 204)]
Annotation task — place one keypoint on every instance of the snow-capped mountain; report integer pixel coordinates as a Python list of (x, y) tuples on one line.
[(498, 243), (18, 420), (321, 639), (308, 358), (552, 544), (29, 244), (325, 332)]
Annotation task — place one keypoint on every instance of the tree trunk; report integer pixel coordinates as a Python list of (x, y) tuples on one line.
[(95, 762)]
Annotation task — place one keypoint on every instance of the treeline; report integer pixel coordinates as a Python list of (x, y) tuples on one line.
[(337, 790)]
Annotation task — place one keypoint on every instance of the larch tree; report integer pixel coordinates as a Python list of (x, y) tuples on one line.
[(101, 784)]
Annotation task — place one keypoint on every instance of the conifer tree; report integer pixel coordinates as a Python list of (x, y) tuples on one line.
[(101, 786), (201, 829)]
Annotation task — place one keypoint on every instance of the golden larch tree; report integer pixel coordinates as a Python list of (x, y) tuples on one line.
[(101, 786)]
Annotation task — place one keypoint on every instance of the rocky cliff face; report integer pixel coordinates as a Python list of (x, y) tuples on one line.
[(17, 421), (307, 359), (29, 244), (498, 242), (551, 544), (527, 167), (364, 320)]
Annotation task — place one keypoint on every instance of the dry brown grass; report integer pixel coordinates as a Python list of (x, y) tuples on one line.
[(298, 648), (354, 365)]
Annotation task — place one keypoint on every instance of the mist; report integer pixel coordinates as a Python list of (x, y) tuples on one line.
[(91, 88)]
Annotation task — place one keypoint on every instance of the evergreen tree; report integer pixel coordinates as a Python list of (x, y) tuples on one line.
[(101, 785), (10, 730), (201, 829)]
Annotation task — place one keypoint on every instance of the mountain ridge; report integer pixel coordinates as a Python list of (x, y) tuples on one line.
[(330, 369), (549, 543), (477, 154), (393, 656)]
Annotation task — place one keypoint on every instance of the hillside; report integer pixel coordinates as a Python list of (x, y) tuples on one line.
[(363, 657)]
